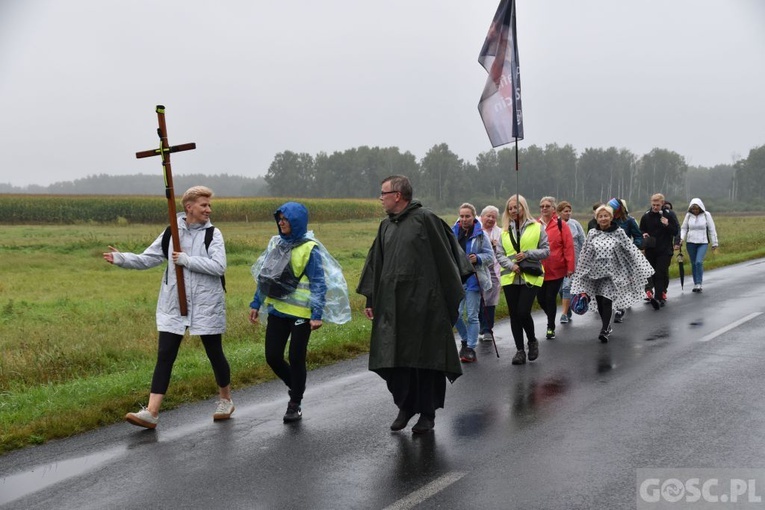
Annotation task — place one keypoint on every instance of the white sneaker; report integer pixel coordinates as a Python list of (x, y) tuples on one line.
[(480, 337), (142, 418), (223, 410)]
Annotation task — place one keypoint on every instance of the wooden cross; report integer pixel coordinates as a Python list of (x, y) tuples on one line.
[(164, 151)]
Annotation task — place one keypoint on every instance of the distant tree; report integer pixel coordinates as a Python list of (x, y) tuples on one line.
[(291, 174), (750, 176), (440, 173)]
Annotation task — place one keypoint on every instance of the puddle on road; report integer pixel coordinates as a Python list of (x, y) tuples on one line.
[(17, 486)]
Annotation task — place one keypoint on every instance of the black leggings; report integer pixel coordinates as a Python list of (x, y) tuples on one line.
[(169, 343), (605, 309), (298, 331), (547, 298), (520, 299)]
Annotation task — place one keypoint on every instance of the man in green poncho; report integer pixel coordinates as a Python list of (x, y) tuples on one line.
[(412, 280)]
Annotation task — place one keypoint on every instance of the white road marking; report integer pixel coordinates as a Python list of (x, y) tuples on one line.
[(426, 491), (732, 325)]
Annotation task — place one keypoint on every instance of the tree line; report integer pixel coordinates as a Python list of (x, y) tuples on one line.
[(442, 179)]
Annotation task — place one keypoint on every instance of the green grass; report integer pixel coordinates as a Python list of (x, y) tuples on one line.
[(78, 334)]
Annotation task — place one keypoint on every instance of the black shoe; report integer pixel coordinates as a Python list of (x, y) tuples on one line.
[(662, 302), (463, 351), (533, 350), (401, 420), (519, 358), (423, 425), (550, 333), (294, 413), (604, 334), (655, 303), (469, 356), (619, 317)]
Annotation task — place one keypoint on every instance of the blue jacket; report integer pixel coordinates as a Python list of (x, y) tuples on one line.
[(630, 227), (479, 244)]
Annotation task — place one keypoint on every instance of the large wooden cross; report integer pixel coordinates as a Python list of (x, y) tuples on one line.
[(164, 151)]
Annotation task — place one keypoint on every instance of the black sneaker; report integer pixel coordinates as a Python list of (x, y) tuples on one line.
[(655, 303), (401, 420), (533, 350), (470, 356), (619, 316), (519, 358), (463, 351), (294, 413), (604, 334), (550, 333), (423, 425)]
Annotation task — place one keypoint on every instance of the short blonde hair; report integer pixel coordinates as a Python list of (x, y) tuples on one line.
[(194, 193), (657, 196)]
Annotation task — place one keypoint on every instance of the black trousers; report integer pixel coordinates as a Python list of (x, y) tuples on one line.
[(169, 343), (606, 310), (416, 390), (520, 299), (660, 279), (548, 299), (298, 332)]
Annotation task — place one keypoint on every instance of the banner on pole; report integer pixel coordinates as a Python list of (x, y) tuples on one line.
[(500, 104)]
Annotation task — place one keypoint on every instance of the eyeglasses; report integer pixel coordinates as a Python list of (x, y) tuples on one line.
[(383, 193), (546, 206)]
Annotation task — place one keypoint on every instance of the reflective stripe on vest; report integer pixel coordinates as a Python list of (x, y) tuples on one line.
[(298, 303), (529, 241)]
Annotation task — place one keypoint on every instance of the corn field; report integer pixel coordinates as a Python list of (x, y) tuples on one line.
[(73, 209)]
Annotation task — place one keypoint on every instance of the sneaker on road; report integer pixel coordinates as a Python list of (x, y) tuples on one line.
[(648, 296), (550, 333), (604, 334), (519, 358), (469, 356), (533, 350), (488, 337), (564, 319), (142, 418), (619, 316), (223, 410), (294, 413)]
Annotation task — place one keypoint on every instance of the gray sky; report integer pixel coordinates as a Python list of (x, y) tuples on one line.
[(246, 79)]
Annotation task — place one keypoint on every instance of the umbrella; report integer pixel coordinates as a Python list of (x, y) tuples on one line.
[(681, 268)]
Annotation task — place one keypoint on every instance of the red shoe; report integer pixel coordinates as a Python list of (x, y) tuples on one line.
[(648, 295), (663, 296)]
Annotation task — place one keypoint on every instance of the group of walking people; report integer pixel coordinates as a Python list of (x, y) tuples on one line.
[(610, 268), (421, 278)]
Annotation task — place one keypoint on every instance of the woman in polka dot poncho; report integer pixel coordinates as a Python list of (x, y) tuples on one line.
[(610, 268)]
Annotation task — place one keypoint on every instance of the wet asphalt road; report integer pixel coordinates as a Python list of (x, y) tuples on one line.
[(679, 387)]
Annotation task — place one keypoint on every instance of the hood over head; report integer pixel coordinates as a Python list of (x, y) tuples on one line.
[(698, 202), (297, 214)]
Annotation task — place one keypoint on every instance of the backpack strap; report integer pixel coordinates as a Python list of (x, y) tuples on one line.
[(166, 241), (209, 232)]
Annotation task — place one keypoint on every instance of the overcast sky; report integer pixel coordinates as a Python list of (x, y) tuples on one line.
[(246, 79)]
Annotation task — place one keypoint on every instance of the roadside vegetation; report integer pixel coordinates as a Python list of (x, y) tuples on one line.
[(78, 337)]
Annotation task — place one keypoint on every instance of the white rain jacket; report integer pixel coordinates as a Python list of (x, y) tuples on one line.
[(699, 229), (205, 297)]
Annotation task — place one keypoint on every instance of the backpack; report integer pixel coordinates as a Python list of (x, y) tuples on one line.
[(277, 279), (209, 231)]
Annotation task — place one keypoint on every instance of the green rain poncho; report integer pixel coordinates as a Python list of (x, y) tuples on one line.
[(412, 279)]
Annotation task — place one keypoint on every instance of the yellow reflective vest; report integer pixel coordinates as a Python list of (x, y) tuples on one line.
[(298, 303), (529, 241)]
